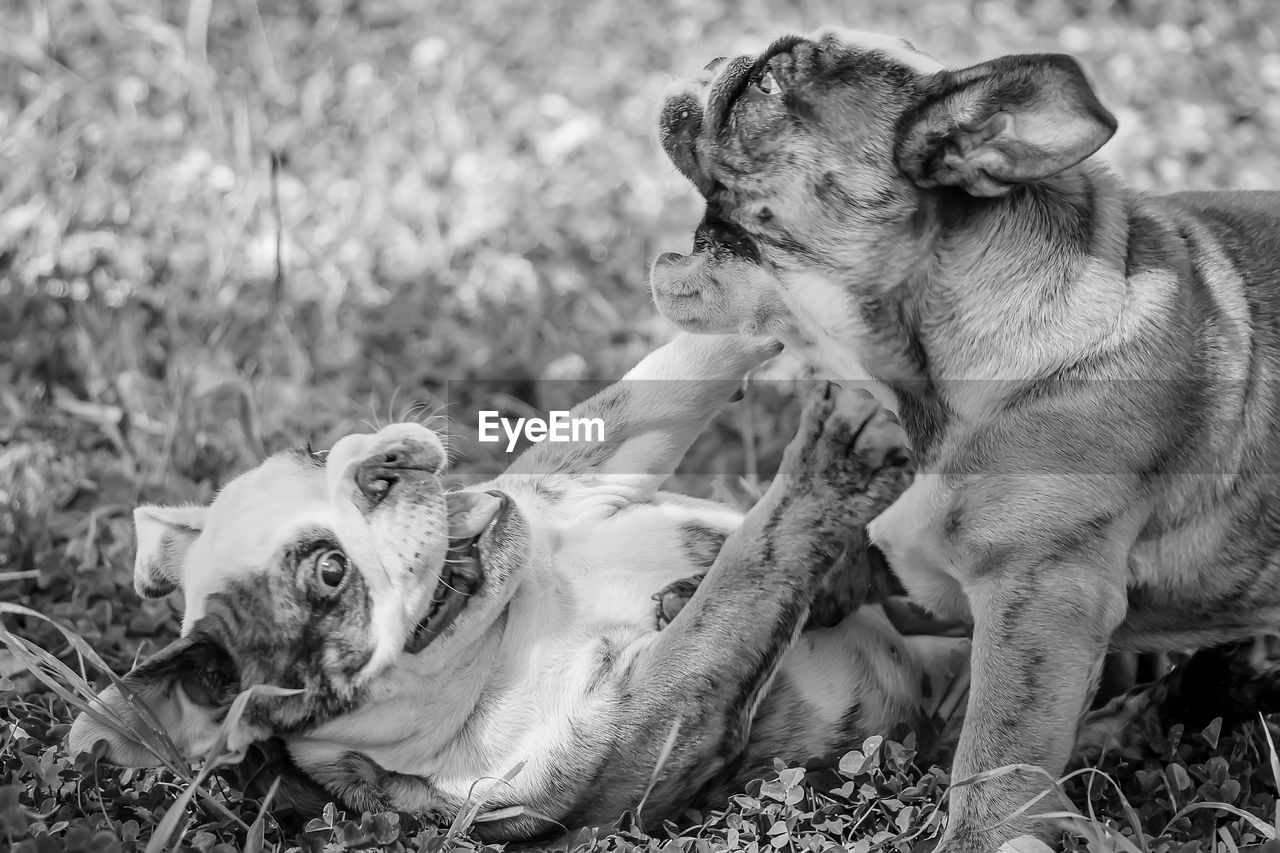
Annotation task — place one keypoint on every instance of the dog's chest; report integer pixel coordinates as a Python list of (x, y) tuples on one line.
[(912, 533), (612, 569), (835, 338)]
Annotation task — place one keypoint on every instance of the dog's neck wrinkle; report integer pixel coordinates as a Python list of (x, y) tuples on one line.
[(434, 712), (1203, 324), (934, 331), (1030, 256), (1032, 239)]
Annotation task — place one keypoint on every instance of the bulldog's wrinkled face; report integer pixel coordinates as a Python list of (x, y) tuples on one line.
[(316, 571), (793, 150), (828, 159)]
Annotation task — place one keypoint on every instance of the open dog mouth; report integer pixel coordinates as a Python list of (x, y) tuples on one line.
[(473, 521)]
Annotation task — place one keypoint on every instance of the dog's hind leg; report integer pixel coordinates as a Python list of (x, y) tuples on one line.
[(1234, 682), (857, 578)]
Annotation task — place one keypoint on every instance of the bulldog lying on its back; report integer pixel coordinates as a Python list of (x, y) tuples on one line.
[(442, 639)]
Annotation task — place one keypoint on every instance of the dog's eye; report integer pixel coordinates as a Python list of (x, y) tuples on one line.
[(330, 570), (767, 83)]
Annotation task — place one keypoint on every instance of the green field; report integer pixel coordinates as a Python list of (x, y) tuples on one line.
[(465, 195)]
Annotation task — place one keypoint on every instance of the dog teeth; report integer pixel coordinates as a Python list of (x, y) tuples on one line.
[(463, 573)]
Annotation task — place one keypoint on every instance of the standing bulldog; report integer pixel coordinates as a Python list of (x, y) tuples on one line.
[(1084, 372)]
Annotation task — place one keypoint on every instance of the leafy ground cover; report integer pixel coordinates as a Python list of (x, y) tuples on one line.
[(227, 228)]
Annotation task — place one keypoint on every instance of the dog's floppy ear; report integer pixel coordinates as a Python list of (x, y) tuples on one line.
[(184, 688), (164, 534), (999, 124)]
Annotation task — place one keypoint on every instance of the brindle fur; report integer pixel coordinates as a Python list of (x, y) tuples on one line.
[(1085, 372)]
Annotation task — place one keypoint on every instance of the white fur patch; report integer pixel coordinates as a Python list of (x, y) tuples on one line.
[(250, 520), (399, 597), (825, 310), (910, 534)]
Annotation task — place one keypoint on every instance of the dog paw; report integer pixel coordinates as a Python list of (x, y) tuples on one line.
[(846, 441), (671, 599)]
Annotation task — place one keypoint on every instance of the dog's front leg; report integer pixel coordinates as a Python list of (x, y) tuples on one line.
[(703, 676), (648, 420), (1041, 630)]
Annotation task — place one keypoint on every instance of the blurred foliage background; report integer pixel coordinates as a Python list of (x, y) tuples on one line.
[(463, 192)]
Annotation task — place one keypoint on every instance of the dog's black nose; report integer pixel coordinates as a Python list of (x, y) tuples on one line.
[(409, 461)]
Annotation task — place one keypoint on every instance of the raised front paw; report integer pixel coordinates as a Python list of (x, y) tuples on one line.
[(850, 453)]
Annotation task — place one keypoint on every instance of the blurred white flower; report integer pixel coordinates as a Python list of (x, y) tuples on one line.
[(570, 366), (429, 53)]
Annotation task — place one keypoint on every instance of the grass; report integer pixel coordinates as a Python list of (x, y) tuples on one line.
[(226, 228)]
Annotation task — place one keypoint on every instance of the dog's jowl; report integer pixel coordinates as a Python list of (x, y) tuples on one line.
[(1085, 372)]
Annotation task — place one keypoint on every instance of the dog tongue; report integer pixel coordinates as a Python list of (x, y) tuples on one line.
[(471, 512)]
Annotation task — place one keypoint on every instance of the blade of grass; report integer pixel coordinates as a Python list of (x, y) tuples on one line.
[(1057, 784), (231, 723), (1267, 830), (1275, 765), (43, 665), (1056, 787), (1097, 832), (181, 769), (516, 811), (167, 754), (465, 817), (667, 745), (81, 646), (55, 675), (218, 756), (176, 812), (257, 832)]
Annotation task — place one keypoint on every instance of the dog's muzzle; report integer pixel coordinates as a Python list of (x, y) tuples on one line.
[(410, 462), (474, 519)]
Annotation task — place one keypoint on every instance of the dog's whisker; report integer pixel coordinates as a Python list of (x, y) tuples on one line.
[(435, 417), (409, 415), (373, 414), (446, 585), (391, 405)]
